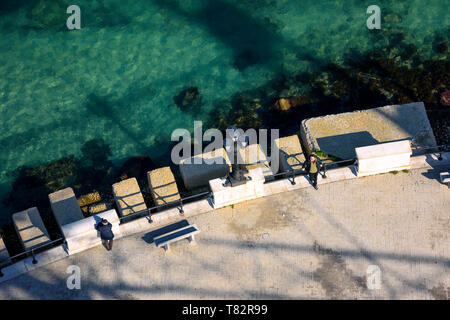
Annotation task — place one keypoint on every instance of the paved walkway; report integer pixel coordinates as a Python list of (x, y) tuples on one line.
[(300, 244)]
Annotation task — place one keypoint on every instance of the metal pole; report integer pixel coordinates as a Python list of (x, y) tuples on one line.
[(1, 273), (181, 207), (293, 177), (34, 261), (324, 170)]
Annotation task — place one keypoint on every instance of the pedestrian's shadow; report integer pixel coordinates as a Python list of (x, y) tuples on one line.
[(148, 237)]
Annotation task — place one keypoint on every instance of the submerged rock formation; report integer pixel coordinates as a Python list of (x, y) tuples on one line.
[(188, 99), (49, 14)]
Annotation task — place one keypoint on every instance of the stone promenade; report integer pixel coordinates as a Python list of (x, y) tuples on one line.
[(303, 244)]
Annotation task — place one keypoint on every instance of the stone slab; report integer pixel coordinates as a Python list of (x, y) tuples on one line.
[(444, 177), (128, 197), (382, 158), (225, 196), (340, 134), (30, 228), (253, 157), (65, 206), (82, 235), (291, 153), (163, 186), (196, 171)]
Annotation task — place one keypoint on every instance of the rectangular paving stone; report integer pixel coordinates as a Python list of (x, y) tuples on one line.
[(163, 186), (128, 197), (30, 228)]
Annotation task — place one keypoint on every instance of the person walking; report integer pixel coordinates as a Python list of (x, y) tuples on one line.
[(312, 165), (106, 234)]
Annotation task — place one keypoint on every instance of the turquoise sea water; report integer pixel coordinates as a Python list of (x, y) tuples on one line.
[(116, 78)]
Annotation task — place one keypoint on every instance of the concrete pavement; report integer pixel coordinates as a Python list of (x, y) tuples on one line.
[(302, 244)]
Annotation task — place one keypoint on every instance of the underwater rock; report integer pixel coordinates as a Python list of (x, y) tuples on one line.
[(392, 18), (188, 99), (49, 14), (282, 104), (136, 167), (445, 98)]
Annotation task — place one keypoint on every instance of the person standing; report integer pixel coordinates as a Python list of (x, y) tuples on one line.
[(312, 165), (106, 234)]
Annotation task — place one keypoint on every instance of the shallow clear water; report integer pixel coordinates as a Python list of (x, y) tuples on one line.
[(115, 78)]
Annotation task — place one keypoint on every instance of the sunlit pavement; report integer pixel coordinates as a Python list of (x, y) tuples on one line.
[(303, 244)]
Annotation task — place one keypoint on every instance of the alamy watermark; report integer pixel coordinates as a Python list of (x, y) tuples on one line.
[(374, 21), (74, 280), (373, 277), (188, 147)]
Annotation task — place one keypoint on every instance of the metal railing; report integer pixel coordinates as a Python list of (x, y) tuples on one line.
[(26, 253), (439, 149), (178, 203)]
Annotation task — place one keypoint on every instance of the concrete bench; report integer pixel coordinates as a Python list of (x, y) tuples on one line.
[(82, 235), (30, 228), (291, 155), (65, 206), (4, 254), (445, 177), (162, 185), (196, 171), (167, 239), (384, 157), (128, 197), (253, 157)]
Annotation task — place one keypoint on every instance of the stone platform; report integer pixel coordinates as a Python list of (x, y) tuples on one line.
[(30, 228), (340, 134), (65, 206), (128, 197), (291, 153), (163, 186), (199, 169), (253, 157)]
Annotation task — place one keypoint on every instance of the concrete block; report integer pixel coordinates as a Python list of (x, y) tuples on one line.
[(198, 170), (340, 134), (65, 206), (253, 157), (30, 228), (163, 186), (445, 177), (4, 254), (386, 157), (225, 196), (82, 235), (291, 155), (128, 197)]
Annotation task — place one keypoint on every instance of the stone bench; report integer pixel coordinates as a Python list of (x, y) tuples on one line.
[(179, 234), (30, 228), (163, 186), (253, 157), (82, 235), (291, 155), (196, 171), (65, 206), (445, 177), (128, 197), (384, 157)]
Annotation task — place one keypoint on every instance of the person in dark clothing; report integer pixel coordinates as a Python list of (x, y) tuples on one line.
[(313, 166), (106, 234)]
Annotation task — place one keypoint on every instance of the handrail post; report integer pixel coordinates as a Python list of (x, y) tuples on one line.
[(34, 261), (181, 207), (440, 154), (1, 273), (293, 177), (324, 170)]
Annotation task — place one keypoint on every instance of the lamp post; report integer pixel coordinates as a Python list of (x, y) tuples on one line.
[(235, 140)]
